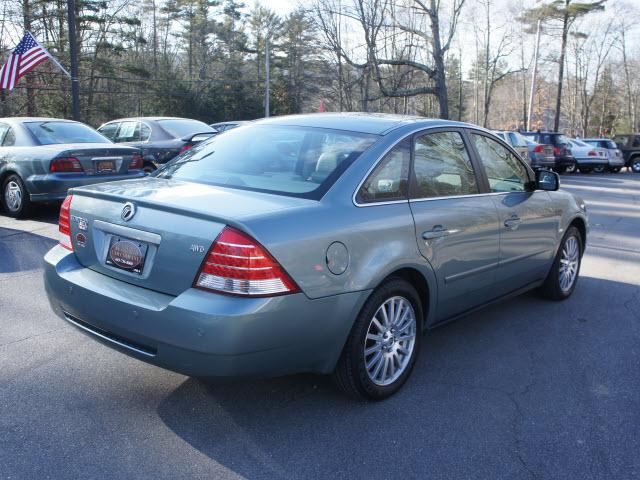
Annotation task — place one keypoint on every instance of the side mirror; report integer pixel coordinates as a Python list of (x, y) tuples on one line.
[(547, 180)]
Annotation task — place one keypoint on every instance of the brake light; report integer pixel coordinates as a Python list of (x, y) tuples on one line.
[(64, 224), (186, 147), (65, 164), (236, 264), (136, 162), (537, 149), (593, 153)]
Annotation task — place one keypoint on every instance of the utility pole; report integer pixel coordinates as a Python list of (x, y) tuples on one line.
[(73, 50), (266, 77), (533, 75)]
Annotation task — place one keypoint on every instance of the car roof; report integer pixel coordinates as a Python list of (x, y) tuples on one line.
[(594, 139), (372, 123), (151, 119), (35, 119)]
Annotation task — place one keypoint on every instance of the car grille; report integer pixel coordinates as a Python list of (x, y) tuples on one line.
[(111, 337)]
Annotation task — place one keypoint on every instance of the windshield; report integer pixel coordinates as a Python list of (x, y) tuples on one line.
[(180, 127), (297, 161), (48, 133)]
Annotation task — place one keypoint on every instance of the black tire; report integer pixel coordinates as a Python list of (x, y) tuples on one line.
[(615, 169), (551, 287), (351, 374), (599, 169), (585, 169), (634, 164), (13, 206)]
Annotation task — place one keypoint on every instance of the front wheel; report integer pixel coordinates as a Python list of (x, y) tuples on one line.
[(599, 169), (563, 276), (15, 197), (571, 168), (384, 342), (635, 164)]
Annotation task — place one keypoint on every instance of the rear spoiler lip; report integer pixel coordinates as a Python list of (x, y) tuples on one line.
[(199, 214)]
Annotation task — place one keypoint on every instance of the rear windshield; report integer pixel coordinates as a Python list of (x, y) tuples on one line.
[(517, 140), (296, 161), (180, 128), (602, 143), (48, 133)]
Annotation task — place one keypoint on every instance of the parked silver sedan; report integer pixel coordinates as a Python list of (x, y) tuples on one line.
[(325, 243), (41, 158)]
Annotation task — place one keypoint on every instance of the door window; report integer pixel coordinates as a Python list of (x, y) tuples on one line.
[(390, 178), (109, 130), (504, 171), (442, 166)]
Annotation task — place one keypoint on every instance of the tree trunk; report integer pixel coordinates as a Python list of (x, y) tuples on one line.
[(438, 60), (563, 51)]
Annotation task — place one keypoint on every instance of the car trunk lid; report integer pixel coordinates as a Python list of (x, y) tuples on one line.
[(155, 233), (98, 158)]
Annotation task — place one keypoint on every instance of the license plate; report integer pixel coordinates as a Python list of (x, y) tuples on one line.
[(105, 166), (127, 254)]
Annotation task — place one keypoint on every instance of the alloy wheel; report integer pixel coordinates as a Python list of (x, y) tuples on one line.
[(569, 263), (390, 341), (13, 196), (571, 168)]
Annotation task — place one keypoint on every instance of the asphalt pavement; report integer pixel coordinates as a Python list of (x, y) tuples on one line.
[(525, 389)]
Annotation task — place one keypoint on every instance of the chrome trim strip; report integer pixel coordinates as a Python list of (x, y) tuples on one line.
[(412, 132), (468, 273), (104, 337), (522, 257), (132, 233)]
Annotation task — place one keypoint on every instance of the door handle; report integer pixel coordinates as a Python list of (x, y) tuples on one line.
[(438, 231), (513, 222)]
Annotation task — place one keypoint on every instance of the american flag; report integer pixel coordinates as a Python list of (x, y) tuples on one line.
[(25, 57)]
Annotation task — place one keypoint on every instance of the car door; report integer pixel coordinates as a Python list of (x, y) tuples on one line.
[(456, 224), (528, 221)]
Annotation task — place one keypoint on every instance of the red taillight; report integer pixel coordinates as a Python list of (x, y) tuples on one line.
[(238, 265), (538, 149), (593, 153), (65, 164), (186, 147), (136, 162), (556, 151), (64, 224)]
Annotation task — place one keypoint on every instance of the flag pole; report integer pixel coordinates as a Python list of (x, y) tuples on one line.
[(73, 50)]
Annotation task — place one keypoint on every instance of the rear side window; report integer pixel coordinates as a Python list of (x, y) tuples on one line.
[(128, 132), (504, 171), (389, 180), (442, 166), (9, 138), (179, 128), (4, 128), (289, 160)]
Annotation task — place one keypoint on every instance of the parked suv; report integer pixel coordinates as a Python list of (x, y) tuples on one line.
[(564, 161), (614, 155), (629, 145)]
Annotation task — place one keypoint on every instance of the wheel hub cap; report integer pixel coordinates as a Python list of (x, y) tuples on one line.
[(569, 264), (390, 341), (13, 196)]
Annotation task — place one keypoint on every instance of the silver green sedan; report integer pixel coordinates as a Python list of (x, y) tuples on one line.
[(324, 243)]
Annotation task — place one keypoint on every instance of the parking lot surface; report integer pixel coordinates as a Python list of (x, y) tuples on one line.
[(524, 389)]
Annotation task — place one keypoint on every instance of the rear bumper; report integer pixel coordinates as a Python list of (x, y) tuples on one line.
[(592, 162), (543, 162), (616, 162), (565, 162), (200, 333), (53, 186)]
